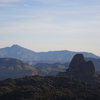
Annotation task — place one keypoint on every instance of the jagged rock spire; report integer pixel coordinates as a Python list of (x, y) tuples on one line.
[(80, 68)]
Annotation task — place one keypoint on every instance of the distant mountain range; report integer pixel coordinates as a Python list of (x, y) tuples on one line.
[(27, 55)]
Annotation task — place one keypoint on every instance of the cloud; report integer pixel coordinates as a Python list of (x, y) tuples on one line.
[(5, 5), (56, 2), (45, 27), (9, 0), (45, 1)]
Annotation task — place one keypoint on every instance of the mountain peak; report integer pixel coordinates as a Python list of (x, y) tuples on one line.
[(22, 53), (15, 46)]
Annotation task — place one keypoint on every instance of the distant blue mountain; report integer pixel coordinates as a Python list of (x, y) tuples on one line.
[(24, 54)]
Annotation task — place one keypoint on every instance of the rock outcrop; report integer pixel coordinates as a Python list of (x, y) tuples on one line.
[(80, 69)]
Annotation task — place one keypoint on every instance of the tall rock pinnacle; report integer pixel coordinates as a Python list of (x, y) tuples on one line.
[(80, 68)]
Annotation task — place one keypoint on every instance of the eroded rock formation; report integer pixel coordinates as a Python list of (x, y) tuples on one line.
[(80, 69)]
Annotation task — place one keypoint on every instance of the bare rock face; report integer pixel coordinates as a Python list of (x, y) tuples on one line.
[(80, 68), (76, 63)]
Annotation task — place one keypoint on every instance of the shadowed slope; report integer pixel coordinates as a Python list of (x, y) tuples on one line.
[(13, 68)]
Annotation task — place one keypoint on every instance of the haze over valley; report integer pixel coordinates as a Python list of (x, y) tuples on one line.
[(49, 49)]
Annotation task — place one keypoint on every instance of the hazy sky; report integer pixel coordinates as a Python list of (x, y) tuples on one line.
[(44, 25)]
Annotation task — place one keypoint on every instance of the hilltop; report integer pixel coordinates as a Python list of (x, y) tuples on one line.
[(14, 68)]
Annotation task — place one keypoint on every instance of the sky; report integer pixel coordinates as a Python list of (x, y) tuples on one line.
[(48, 25)]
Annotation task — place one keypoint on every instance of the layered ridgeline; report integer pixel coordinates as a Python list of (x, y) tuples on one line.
[(79, 82), (13, 68), (24, 54)]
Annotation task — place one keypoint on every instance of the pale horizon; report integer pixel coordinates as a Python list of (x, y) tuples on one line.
[(48, 50), (51, 25)]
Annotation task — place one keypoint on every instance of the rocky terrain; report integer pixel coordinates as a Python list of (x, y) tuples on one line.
[(14, 68)]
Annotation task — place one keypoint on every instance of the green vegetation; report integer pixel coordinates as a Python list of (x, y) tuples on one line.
[(47, 88)]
